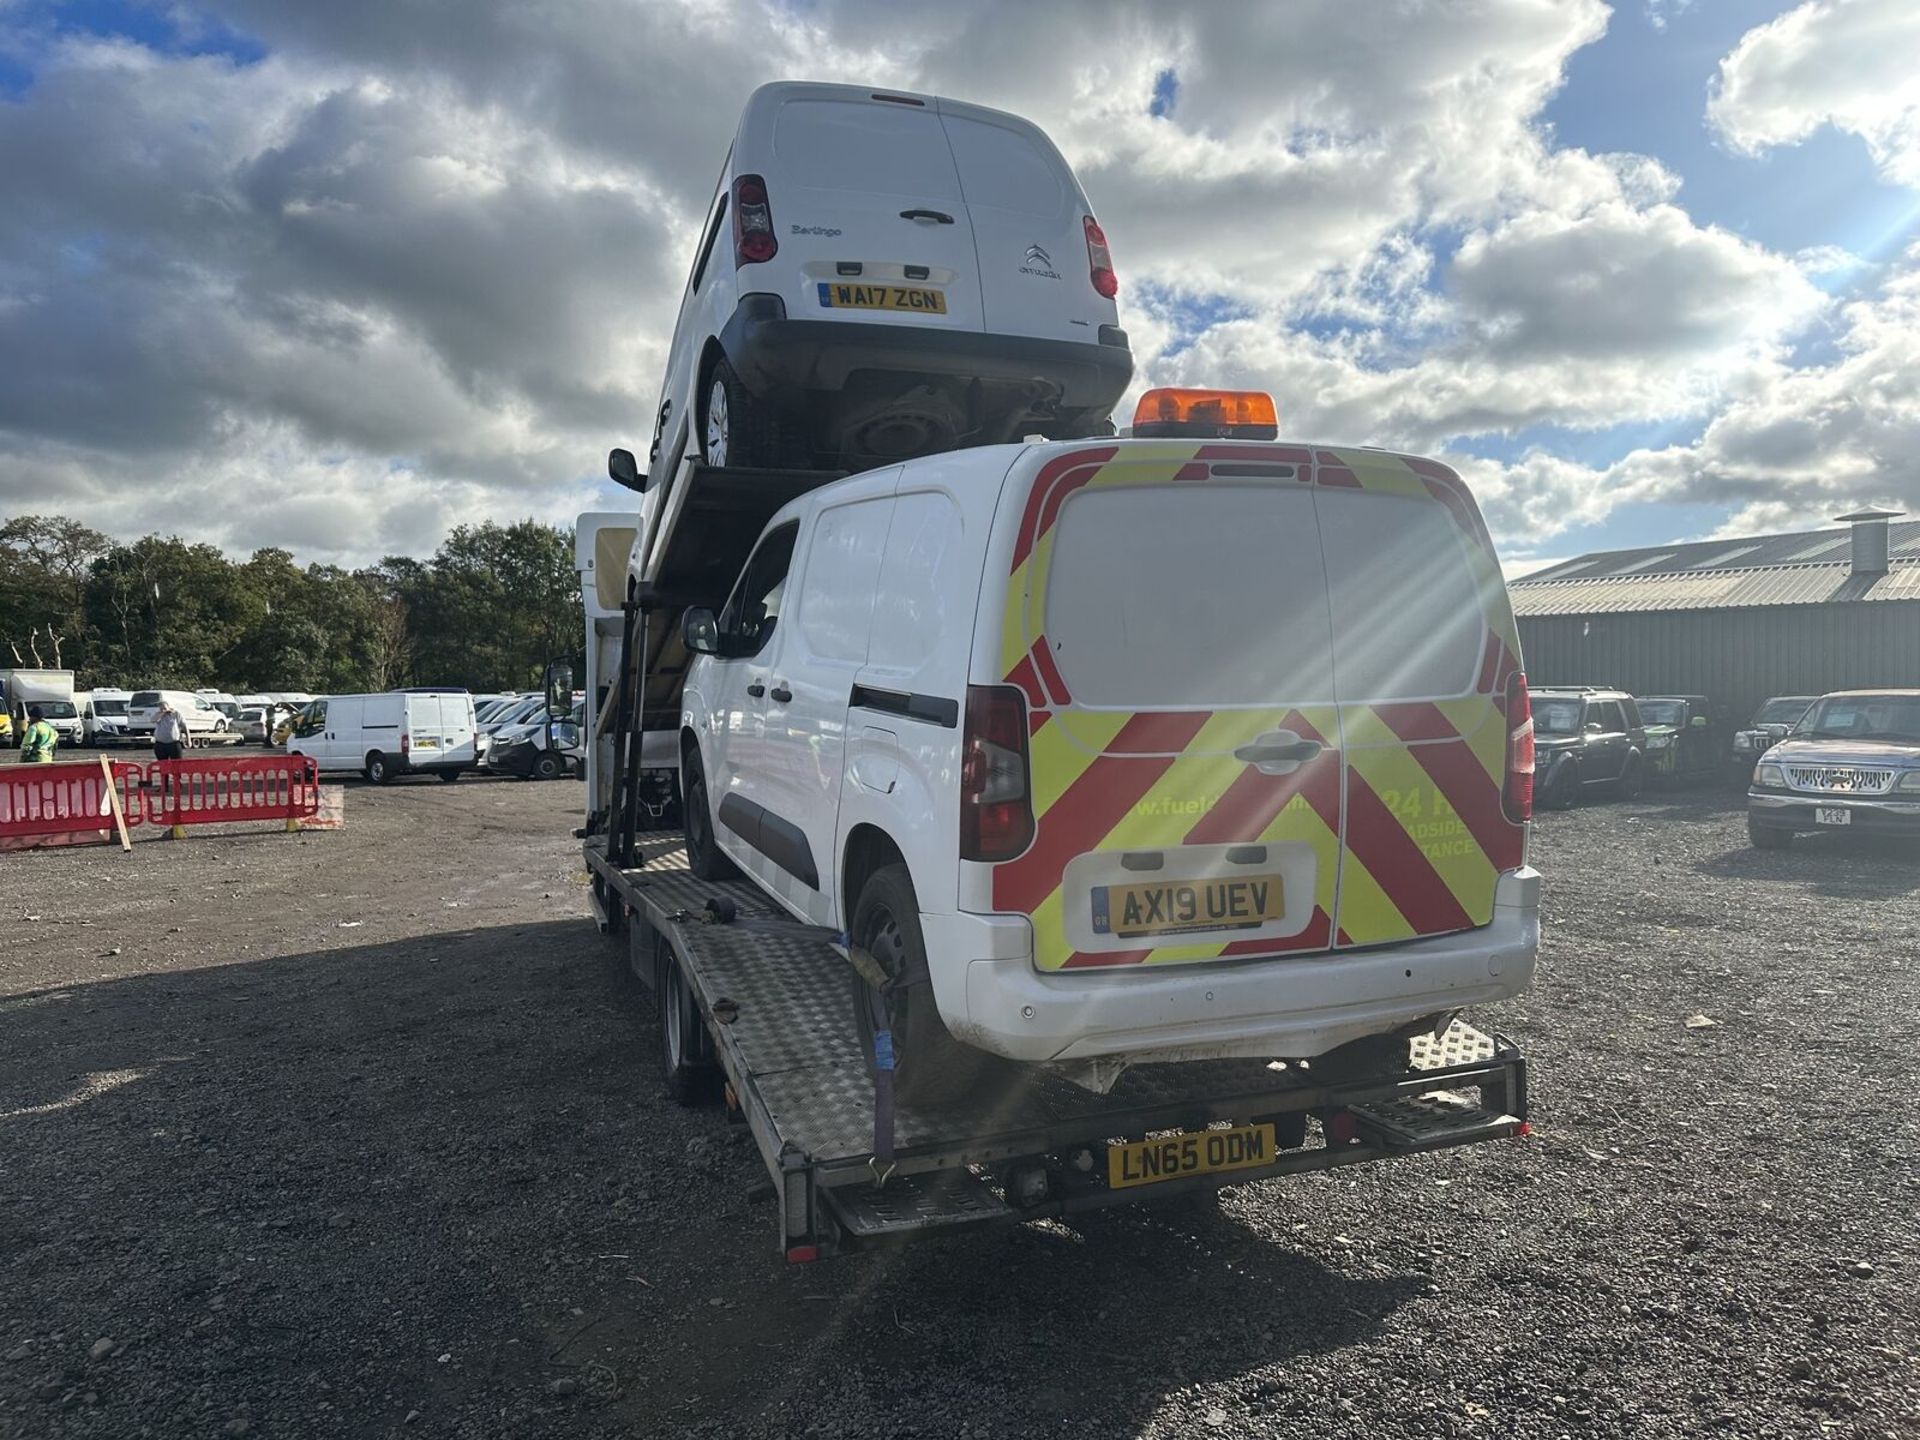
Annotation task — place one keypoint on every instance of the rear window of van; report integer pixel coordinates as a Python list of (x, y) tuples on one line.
[(146, 697), (1189, 596), (861, 146), (1005, 169)]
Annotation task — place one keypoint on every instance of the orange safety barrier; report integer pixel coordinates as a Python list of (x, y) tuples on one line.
[(66, 798), (214, 792)]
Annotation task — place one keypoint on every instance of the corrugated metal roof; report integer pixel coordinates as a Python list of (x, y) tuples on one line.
[(1612, 594), (1745, 553)]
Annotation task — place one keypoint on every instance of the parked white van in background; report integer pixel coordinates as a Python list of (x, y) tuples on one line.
[(883, 275), (104, 716), (201, 717), (401, 732), (1153, 749)]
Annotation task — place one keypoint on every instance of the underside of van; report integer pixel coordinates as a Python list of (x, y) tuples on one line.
[(851, 396)]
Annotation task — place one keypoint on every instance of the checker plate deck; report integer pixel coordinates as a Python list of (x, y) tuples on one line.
[(792, 1024)]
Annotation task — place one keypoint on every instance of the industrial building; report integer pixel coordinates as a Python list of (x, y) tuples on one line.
[(1735, 620)]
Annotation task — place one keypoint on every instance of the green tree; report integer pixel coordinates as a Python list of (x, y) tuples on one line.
[(45, 563), (493, 605)]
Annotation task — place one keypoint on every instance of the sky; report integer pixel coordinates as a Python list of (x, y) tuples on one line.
[(337, 277)]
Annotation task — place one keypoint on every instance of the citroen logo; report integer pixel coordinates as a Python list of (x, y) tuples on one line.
[(1038, 256)]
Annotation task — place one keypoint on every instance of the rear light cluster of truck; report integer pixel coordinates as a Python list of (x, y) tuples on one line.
[(996, 794), (753, 239), (1516, 796)]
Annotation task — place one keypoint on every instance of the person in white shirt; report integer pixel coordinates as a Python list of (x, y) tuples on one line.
[(169, 733)]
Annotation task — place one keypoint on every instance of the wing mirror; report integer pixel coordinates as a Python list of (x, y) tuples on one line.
[(1593, 727), (559, 688), (1699, 722), (623, 469), (700, 632)]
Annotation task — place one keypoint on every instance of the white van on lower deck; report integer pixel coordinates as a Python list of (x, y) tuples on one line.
[(386, 736)]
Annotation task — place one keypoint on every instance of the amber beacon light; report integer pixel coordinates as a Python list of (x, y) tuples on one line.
[(1221, 414)]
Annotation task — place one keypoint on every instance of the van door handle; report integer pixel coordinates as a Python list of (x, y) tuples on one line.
[(782, 694), (1268, 752), (939, 217), (756, 690)]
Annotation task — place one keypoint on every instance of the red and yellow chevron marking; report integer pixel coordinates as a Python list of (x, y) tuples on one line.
[(1402, 809)]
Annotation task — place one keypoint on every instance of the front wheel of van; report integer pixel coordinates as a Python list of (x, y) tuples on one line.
[(930, 1067), (703, 850), (736, 428)]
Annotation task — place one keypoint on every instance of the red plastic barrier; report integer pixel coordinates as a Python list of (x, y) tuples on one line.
[(214, 792), (65, 798)]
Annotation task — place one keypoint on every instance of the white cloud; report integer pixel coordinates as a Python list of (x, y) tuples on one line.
[(1853, 64)]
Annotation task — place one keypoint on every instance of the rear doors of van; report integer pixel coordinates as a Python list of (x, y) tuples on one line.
[(1265, 691)]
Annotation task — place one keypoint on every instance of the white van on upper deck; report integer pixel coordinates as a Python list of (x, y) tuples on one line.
[(882, 275)]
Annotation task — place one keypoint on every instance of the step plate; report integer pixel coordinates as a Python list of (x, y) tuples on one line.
[(911, 1204), (1438, 1117)]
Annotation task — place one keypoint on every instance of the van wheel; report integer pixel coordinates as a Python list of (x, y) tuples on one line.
[(547, 766), (686, 1050), (379, 769), (704, 857), (735, 427), (930, 1067)]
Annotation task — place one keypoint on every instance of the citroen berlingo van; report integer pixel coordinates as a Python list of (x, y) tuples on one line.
[(882, 275), (1151, 749)]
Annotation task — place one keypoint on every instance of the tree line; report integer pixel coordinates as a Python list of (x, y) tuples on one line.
[(487, 611)]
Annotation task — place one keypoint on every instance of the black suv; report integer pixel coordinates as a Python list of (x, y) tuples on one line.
[(1586, 736)]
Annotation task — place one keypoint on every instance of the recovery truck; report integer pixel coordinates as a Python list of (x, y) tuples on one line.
[(765, 998)]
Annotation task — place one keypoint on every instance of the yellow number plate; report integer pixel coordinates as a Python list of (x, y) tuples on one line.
[(1245, 902), (882, 297), (1205, 1152)]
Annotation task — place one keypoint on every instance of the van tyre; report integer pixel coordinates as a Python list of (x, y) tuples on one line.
[(930, 1066), (703, 850), (736, 428), (686, 1050), (548, 766), (1633, 779), (379, 769)]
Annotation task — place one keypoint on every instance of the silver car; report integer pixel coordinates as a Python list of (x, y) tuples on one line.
[(1852, 763)]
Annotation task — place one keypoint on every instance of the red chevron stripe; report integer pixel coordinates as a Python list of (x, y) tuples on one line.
[(1317, 936), (1092, 959), (1029, 683), (1253, 800), (1050, 673), (1379, 842), (1031, 526), (1416, 720), (1475, 798), (1096, 802)]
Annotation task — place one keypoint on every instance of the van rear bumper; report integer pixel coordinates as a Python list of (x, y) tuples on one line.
[(776, 357), (1283, 1008)]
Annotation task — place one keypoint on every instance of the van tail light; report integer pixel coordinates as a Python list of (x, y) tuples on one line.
[(753, 241), (406, 744), (1516, 797), (996, 797), (1100, 259)]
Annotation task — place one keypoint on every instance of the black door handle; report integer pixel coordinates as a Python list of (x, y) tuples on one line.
[(782, 694), (939, 217), (1298, 751), (756, 690)]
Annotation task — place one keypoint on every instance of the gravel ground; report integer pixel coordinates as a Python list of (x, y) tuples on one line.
[(357, 1134)]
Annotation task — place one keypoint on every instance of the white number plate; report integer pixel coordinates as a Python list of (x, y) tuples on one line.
[(1833, 815)]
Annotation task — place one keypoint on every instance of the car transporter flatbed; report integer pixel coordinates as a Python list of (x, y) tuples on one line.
[(775, 998)]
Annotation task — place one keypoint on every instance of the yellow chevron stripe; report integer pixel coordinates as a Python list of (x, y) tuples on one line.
[(1366, 914), (1063, 749), (1431, 823), (1484, 730), (1376, 470)]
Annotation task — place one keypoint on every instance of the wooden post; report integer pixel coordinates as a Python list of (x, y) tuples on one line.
[(113, 799)]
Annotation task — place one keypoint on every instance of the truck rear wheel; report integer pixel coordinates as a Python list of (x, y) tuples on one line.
[(930, 1067), (686, 1050)]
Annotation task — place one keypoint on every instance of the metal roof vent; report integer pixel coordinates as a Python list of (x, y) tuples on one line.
[(1869, 540)]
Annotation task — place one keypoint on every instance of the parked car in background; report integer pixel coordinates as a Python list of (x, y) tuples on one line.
[(1586, 737), (256, 726), (1768, 728), (884, 275), (544, 747), (1683, 739), (386, 736), (202, 719), (103, 717), (1852, 763)]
